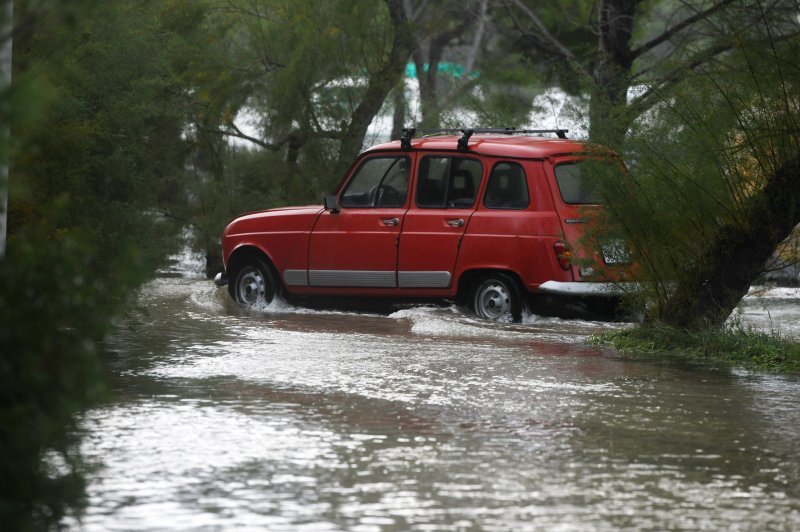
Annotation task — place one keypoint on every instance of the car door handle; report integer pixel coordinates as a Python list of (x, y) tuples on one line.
[(455, 223), (391, 222)]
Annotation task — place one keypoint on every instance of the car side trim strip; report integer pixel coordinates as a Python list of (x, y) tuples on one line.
[(423, 279), (367, 278), (295, 277), (354, 278)]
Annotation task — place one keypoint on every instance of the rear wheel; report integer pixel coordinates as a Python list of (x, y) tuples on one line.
[(254, 284), (497, 297)]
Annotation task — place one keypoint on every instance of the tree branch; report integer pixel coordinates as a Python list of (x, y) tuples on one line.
[(378, 86), (474, 48), (237, 133), (556, 45), (413, 15), (668, 34), (640, 102), (166, 214)]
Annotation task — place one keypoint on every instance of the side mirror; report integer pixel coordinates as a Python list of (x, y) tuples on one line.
[(330, 203)]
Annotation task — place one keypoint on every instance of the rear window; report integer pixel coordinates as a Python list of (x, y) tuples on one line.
[(507, 188), (576, 185)]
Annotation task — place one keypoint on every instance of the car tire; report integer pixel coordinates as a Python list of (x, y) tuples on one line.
[(497, 297), (254, 284)]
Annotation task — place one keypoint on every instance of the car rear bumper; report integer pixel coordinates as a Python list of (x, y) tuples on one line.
[(220, 279), (587, 289)]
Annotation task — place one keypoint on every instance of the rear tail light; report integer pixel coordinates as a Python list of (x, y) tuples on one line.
[(563, 255)]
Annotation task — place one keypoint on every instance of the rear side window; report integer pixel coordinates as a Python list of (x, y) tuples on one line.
[(507, 188), (448, 182), (378, 182), (576, 186)]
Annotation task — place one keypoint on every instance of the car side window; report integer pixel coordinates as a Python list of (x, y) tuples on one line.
[(507, 187), (378, 182), (448, 182)]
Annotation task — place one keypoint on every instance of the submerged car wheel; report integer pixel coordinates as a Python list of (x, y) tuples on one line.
[(497, 298), (254, 284)]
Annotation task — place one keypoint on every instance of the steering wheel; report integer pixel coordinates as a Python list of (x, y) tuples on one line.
[(380, 192)]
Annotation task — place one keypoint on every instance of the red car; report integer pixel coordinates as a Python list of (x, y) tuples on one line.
[(488, 217)]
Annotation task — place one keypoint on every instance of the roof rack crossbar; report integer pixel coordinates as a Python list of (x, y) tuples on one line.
[(463, 142)]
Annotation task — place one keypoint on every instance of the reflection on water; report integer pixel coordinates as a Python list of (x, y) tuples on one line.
[(423, 419)]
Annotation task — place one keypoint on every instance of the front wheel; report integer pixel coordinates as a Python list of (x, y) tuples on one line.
[(254, 284), (496, 297)]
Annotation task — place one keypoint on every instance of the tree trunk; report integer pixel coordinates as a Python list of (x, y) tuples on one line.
[(428, 92), (608, 120), (7, 18), (293, 146), (378, 87), (399, 114), (714, 286), (611, 74), (429, 97)]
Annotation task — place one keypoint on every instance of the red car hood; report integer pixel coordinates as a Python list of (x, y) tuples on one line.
[(275, 220)]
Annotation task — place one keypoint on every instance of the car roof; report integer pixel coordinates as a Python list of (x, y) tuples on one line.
[(495, 144)]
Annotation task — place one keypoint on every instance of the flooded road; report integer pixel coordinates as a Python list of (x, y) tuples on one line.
[(426, 419)]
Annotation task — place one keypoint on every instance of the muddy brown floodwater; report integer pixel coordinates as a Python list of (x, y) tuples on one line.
[(426, 419)]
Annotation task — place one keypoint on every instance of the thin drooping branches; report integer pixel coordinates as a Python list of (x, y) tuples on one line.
[(608, 70), (378, 86), (679, 27)]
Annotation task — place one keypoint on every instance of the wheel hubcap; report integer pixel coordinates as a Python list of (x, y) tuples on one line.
[(493, 301), (251, 287)]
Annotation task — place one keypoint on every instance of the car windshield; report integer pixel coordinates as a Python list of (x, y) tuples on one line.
[(379, 182), (578, 184)]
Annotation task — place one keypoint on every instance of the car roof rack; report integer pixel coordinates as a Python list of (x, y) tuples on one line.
[(463, 142)]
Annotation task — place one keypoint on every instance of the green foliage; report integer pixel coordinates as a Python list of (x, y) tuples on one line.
[(303, 63), (244, 186), (299, 70), (701, 162), (99, 145), (570, 21), (52, 314), (503, 94), (108, 143), (734, 346)]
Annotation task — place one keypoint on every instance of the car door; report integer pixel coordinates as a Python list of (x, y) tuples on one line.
[(577, 199), (444, 200), (355, 245)]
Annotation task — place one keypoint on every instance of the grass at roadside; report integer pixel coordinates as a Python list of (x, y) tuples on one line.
[(733, 346)]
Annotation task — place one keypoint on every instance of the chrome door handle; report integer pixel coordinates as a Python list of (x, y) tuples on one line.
[(455, 223), (391, 222)]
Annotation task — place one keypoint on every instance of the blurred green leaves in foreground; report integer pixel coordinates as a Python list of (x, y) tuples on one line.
[(96, 122), (52, 320)]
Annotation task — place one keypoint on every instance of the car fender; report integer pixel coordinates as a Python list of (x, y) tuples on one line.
[(282, 235)]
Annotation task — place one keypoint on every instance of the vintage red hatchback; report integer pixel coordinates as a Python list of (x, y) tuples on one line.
[(490, 218)]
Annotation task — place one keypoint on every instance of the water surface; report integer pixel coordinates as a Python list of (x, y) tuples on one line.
[(427, 419)]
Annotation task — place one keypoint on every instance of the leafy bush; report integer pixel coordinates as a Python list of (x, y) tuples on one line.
[(51, 318)]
